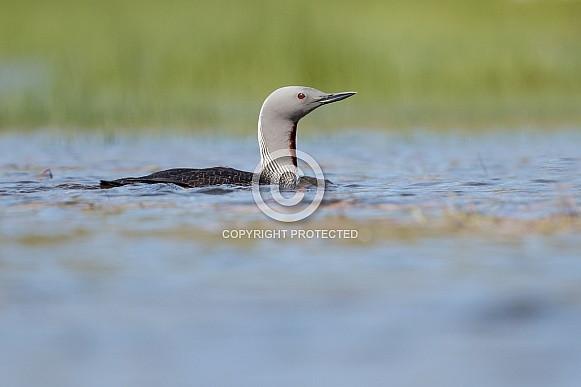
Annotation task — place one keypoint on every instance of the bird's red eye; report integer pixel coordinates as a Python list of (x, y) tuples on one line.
[(300, 96)]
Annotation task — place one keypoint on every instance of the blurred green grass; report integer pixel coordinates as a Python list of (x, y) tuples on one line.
[(200, 65)]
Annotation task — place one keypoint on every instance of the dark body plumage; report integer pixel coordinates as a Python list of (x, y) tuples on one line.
[(188, 178)]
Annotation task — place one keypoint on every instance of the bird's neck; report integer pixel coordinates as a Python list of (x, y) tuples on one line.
[(277, 142)]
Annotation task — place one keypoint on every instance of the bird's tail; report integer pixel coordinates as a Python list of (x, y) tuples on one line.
[(110, 184)]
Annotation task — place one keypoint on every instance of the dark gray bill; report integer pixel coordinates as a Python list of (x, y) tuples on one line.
[(336, 97)]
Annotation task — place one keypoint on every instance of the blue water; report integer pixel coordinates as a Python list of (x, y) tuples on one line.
[(138, 286)]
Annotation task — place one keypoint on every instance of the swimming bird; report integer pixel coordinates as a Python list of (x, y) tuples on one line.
[(277, 130)]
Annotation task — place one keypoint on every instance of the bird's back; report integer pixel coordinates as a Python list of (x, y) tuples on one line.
[(188, 178)]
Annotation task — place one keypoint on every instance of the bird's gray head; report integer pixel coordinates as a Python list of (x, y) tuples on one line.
[(277, 124), (294, 102)]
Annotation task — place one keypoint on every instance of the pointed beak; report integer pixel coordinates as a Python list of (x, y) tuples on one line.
[(329, 98)]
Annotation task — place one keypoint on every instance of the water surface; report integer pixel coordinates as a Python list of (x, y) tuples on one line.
[(137, 286)]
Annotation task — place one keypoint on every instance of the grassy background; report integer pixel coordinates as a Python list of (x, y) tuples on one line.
[(199, 65)]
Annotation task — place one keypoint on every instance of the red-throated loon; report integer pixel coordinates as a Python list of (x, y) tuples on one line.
[(277, 129)]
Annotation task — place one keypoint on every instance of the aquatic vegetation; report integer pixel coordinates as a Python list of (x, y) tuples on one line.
[(143, 64)]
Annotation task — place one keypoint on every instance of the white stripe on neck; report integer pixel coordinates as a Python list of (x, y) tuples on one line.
[(268, 164)]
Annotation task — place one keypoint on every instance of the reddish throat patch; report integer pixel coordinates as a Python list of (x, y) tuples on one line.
[(292, 143)]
